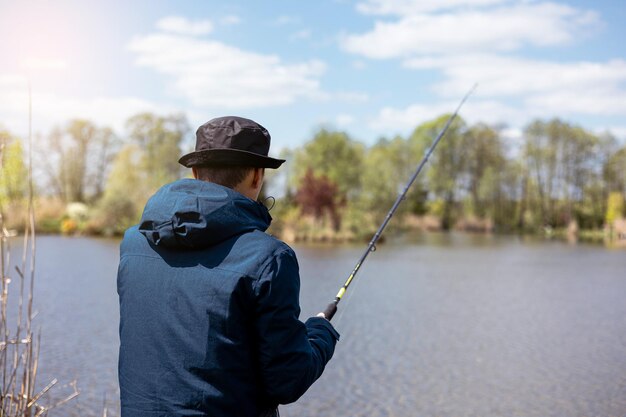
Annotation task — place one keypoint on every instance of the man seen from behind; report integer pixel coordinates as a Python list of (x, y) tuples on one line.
[(208, 301)]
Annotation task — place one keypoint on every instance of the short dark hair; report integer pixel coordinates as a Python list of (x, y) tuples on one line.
[(227, 176)]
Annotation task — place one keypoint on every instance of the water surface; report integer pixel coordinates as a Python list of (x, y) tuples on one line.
[(442, 325)]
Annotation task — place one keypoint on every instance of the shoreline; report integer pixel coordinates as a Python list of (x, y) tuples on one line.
[(593, 236)]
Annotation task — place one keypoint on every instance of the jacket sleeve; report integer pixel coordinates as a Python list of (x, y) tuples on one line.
[(292, 354)]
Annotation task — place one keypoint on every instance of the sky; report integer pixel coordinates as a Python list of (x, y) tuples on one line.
[(372, 68)]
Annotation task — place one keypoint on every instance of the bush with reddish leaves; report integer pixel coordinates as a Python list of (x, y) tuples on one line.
[(317, 196)]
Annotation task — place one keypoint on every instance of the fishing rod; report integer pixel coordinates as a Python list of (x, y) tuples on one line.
[(331, 309)]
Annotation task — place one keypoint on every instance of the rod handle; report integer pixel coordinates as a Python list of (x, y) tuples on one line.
[(330, 310)]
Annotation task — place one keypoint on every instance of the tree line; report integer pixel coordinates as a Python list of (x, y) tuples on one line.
[(90, 178), (557, 174)]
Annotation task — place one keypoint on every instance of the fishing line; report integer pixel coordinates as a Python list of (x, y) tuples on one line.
[(348, 302), (350, 297)]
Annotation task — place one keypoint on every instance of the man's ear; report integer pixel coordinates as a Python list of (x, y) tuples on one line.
[(194, 171), (257, 179)]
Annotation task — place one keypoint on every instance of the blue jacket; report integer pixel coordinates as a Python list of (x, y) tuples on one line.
[(209, 310)]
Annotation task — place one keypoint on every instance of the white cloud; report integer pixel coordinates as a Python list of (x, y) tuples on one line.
[(506, 75), (184, 26), (286, 20), (343, 120), (12, 81), (618, 132), (230, 20), (359, 65), (572, 103), (300, 35), (41, 64), (404, 7), (210, 73), (506, 27), (451, 37), (513, 134), (582, 88), (402, 120), (514, 90), (50, 108), (349, 96)]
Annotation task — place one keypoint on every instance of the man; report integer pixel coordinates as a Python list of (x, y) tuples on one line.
[(208, 301)]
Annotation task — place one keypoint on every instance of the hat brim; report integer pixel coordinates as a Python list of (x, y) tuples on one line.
[(229, 157)]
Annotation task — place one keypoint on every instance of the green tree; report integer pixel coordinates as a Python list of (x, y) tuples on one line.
[(107, 147), (614, 171), (447, 163), (77, 159), (14, 174), (513, 202), (485, 167), (125, 193), (562, 160), (615, 208), (387, 167), (335, 156), (159, 138)]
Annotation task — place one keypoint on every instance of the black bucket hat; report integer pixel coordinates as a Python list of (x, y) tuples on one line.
[(231, 141)]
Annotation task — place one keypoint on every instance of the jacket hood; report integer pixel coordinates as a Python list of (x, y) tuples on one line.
[(195, 214)]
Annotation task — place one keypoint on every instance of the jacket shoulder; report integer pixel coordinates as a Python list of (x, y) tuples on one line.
[(247, 254), (272, 243), (135, 243), (255, 251), (132, 240)]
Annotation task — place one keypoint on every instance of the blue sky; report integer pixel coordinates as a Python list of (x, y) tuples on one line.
[(370, 67)]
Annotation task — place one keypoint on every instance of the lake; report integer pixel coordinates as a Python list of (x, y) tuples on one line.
[(435, 325)]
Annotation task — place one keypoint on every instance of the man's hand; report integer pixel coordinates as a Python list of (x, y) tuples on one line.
[(329, 311)]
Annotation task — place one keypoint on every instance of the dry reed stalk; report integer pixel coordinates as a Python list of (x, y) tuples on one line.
[(19, 354)]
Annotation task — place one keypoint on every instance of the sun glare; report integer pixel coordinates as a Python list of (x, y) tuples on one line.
[(42, 37), (35, 64)]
